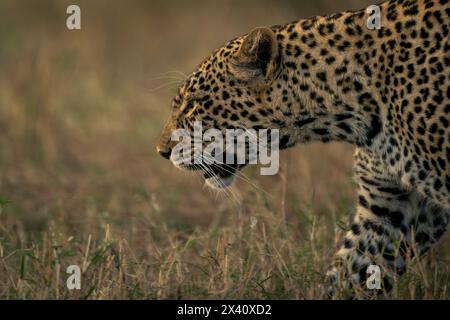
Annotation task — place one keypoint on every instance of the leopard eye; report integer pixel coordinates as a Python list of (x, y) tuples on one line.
[(189, 107), (185, 106)]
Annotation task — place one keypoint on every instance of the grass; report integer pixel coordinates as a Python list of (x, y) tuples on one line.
[(244, 255), (81, 184)]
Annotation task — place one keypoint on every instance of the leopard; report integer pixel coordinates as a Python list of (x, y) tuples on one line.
[(384, 89)]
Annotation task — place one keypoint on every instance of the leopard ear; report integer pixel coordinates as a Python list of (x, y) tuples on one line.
[(258, 59)]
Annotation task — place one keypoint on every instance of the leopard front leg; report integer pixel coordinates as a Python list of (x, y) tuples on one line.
[(390, 223)]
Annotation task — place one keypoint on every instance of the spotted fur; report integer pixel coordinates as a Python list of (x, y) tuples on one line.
[(331, 78)]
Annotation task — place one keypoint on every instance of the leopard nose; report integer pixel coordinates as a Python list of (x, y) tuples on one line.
[(164, 152)]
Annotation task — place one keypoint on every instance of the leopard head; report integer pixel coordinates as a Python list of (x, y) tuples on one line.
[(234, 88)]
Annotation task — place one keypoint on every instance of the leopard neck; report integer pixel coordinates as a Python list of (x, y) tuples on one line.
[(327, 79)]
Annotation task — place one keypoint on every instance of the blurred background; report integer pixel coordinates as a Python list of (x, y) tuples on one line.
[(81, 183)]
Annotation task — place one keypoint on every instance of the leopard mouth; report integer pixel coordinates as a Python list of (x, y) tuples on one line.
[(219, 177)]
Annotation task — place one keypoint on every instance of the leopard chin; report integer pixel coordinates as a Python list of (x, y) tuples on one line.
[(218, 182), (217, 177)]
